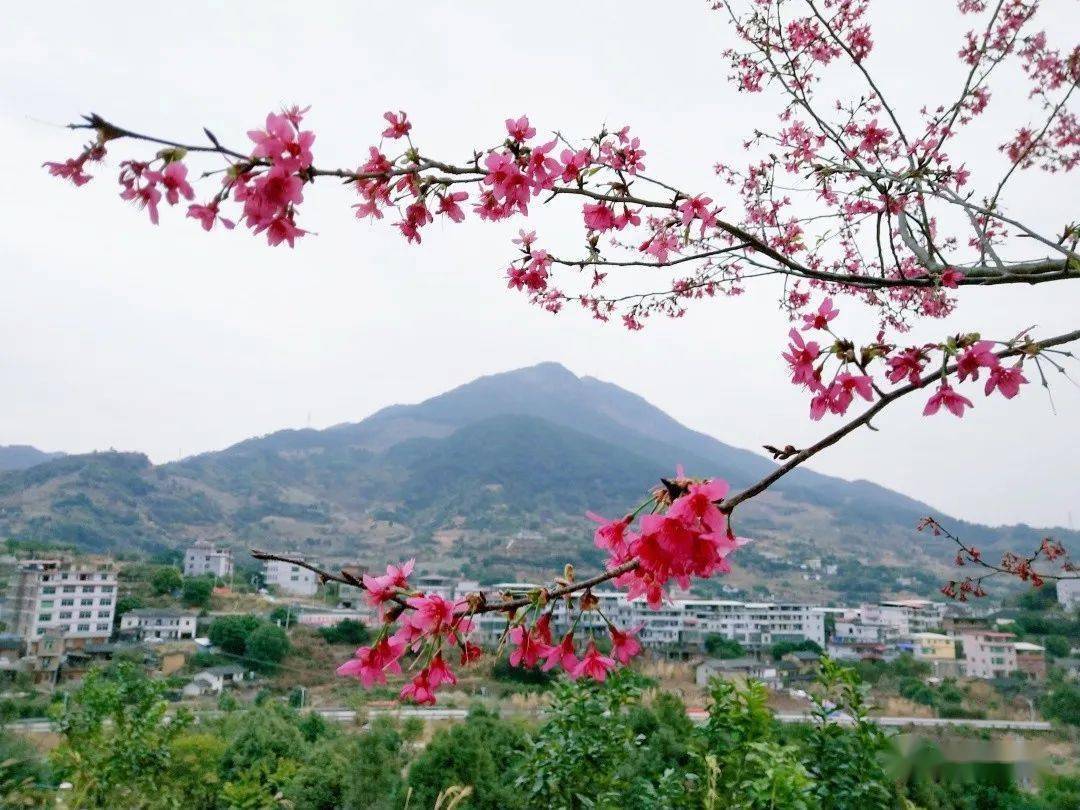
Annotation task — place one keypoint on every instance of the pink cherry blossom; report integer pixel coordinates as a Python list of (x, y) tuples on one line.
[(800, 357), (562, 655), (611, 535), (698, 506), (953, 402), (820, 319), (371, 664), (907, 364), (593, 664), (527, 648), (420, 690), (431, 613), (697, 208), (208, 214), (624, 645), (519, 129), (449, 205), (399, 125), (439, 672), (980, 355), (1006, 380)]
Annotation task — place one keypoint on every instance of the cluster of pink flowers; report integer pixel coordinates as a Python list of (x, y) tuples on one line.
[(686, 535), (807, 361)]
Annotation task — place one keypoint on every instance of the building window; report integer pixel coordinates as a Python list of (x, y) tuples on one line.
[(84, 628), (67, 602), (69, 589), (65, 614), (106, 588), (47, 603), (86, 602), (103, 627), (85, 614), (49, 589), (105, 602), (45, 617)]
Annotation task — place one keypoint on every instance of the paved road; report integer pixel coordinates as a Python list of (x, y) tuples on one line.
[(342, 715)]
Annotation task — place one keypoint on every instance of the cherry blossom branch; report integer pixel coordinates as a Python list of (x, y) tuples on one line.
[(866, 416), (1011, 564)]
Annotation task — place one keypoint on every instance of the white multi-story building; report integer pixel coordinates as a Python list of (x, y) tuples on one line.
[(291, 579), (681, 625), (205, 558), (72, 601), (988, 654), (907, 616), (167, 625), (856, 631), (1068, 593)]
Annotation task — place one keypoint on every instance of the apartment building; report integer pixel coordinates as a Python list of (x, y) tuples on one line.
[(939, 651), (907, 616), (988, 654), (203, 558), (1068, 593), (165, 625), (291, 579), (53, 598), (1030, 660)]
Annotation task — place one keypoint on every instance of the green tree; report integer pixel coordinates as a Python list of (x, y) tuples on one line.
[(782, 648), (347, 631), (846, 762), (478, 753), (585, 745), (230, 633), (125, 604), (266, 647), (1057, 646), (373, 780), (261, 738), (193, 777), (722, 647), (166, 579), (115, 745), (1063, 704), (197, 590)]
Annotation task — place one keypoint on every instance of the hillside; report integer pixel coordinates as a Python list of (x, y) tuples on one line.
[(21, 456), (489, 479)]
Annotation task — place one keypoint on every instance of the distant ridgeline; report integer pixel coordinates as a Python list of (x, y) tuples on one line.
[(457, 478)]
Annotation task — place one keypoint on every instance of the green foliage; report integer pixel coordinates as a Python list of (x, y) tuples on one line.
[(501, 670), (347, 631), (266, 647), (114, 742), (1063, 704), (24, 777), (846, 762), (166, 580), (584, 746), (1057, 646), (126, 603), (1041, 598), (718, 646), (478, 753), (230, 633), (373, 780), (782, 648), (197, 590)]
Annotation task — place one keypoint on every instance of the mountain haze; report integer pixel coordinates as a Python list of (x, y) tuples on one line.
[(493, 475)]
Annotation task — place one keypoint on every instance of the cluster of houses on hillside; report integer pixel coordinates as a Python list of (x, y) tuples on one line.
[(62, 613)]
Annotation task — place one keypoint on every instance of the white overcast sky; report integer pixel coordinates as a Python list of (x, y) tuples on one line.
[(114, 333)]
